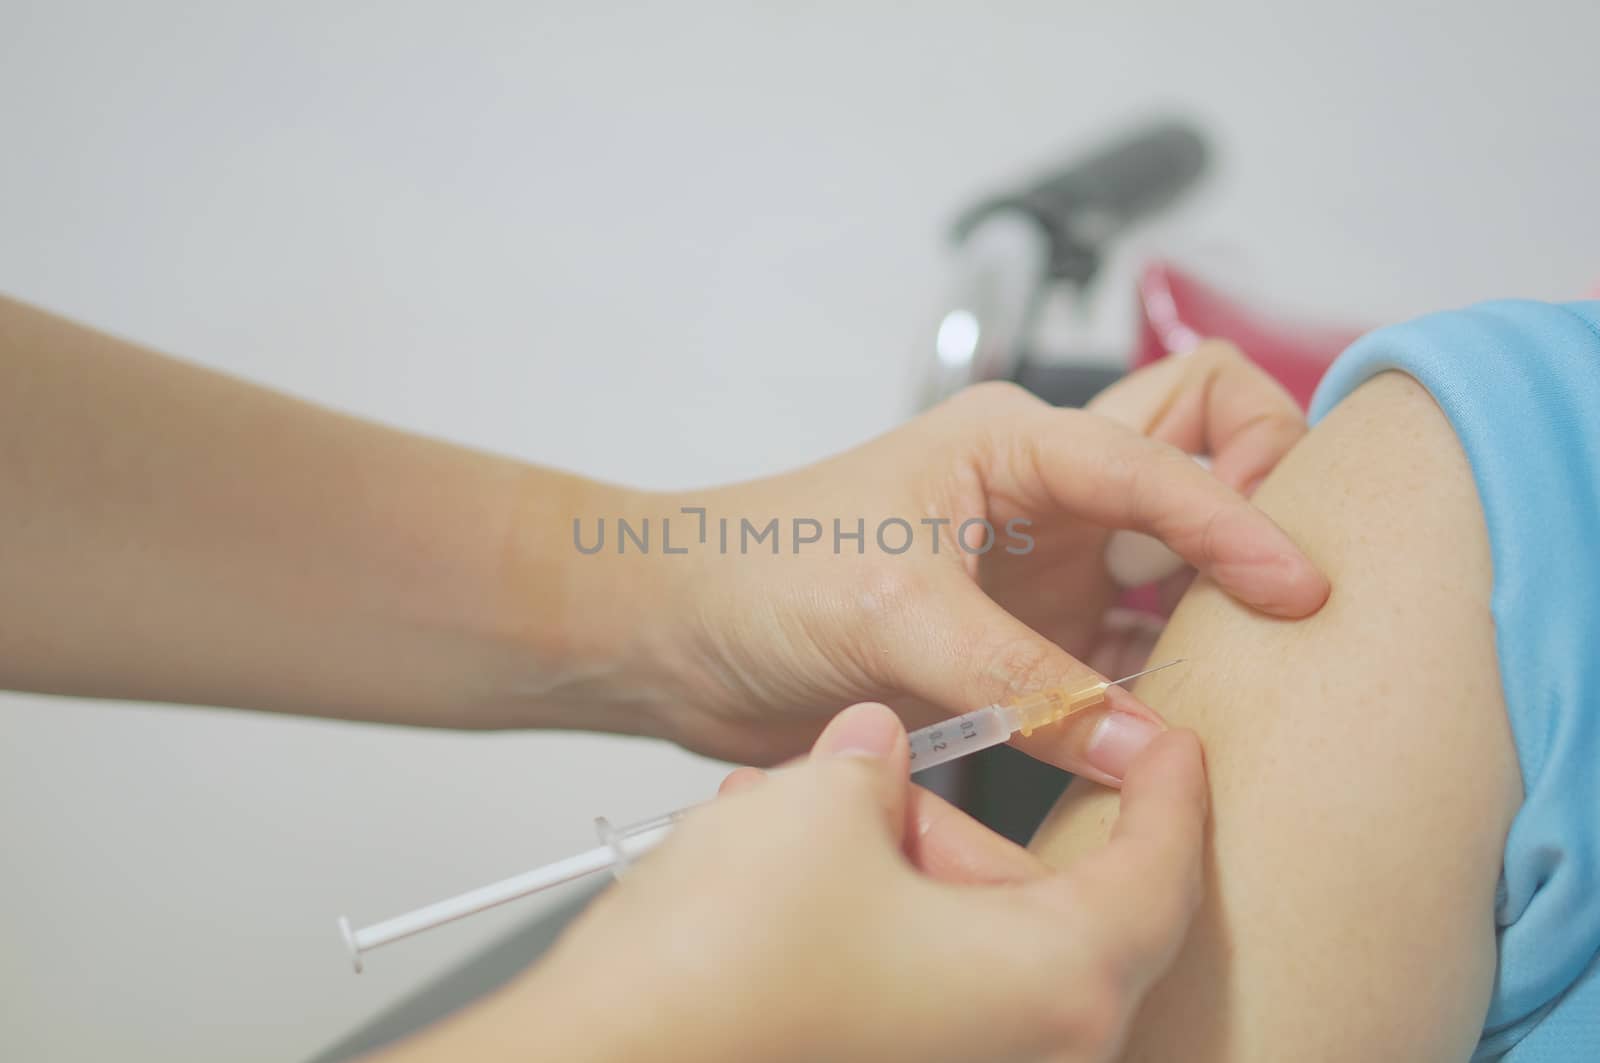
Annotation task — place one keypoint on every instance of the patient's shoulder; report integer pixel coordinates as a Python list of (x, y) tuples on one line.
[(1352, 876)]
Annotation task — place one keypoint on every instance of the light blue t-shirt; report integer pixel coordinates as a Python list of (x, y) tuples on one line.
[(1520, 383)]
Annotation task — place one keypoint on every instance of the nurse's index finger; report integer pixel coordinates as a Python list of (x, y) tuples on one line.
[(944, 842), (1077, 462)]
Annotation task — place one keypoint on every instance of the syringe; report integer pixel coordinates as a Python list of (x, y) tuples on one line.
[(931, 746), (991, 725)]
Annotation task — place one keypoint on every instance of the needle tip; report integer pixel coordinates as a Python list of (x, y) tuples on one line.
[(1147, 671)]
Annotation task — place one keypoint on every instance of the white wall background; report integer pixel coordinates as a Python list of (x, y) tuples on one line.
[(666, 246)]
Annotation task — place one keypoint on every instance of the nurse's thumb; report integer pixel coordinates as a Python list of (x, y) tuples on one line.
[(865, 758)]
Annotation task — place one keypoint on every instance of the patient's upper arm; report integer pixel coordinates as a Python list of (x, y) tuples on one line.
[(1362, 771)]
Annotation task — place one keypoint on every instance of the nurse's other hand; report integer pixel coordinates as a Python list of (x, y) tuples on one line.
[(834, 911), (760, 640)]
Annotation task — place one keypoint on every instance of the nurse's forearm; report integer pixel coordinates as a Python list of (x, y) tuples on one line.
[(172, 534)]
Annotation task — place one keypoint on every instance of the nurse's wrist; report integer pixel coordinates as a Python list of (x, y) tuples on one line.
[(588, 619)]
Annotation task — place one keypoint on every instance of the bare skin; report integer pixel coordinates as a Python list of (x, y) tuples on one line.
[(859, 918), (1362, 771), (173, 534)]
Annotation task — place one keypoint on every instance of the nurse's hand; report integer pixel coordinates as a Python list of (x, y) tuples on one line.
[(749, 650), (834, 911)]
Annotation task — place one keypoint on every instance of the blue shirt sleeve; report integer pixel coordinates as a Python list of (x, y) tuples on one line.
[(1520, 384)]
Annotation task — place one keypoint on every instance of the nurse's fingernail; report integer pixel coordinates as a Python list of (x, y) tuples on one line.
[(740, 779), (865, 730), (1284, 585), (1117, 739), (1120, 699)]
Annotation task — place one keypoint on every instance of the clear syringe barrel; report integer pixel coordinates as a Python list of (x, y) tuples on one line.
[(967, 733), (994, 724)]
